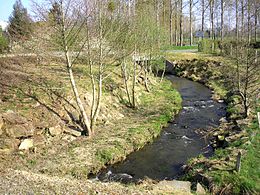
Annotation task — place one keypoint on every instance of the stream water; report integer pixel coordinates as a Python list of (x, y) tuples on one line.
[(178, 142)]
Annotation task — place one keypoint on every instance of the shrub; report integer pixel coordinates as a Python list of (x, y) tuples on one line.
[(209, 46), (3, 42)]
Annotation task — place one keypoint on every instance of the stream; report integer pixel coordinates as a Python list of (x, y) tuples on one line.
[(177, 143)]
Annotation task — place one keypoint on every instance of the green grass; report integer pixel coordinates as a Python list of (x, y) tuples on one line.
[(250, 170), (165, 102), (224, 174), (173, 47), (248, 179)]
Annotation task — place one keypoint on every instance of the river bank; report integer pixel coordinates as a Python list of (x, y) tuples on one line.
[(181, 140), (233, 137), (59, 154), (69, 160)]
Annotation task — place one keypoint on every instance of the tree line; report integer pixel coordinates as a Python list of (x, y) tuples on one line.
[(181, 20)]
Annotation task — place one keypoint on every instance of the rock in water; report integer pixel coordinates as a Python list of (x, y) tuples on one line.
[(26, 144), (223, 120), (185, 137), (200, 190), (121, 177), (117, 177)]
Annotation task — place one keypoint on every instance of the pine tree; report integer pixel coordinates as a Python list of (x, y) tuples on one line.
[(3, 41), (20, 24)]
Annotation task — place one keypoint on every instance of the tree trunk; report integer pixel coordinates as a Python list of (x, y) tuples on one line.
[(237, 67), (246, 82), (258, 117), (146, 76), (248, 22), (164, 14), (191, 35), (171, 21), (222, 19), (163, 73), (133, 84), (212, 19), (93, 104), (129, 9), (181, 24), (176, 22), (255, 27), (242, 19), (125, 78), (86, 123), (202, 16), (158, 21), (85, 120), (99, 97), (100, 65), (237, 56), (237, 34)]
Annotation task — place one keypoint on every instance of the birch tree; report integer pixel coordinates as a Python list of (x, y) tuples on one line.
[(222, 4), (64, 35), (181, 22), (190, 24), (202, 16), (211, 6)]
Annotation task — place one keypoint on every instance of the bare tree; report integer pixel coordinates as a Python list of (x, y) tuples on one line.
[(237, 18), (65, 26), (248, 21), (158, 5), (257, 7), (222, 19), (181, 22), (171, 21), (190, 25), (249, 79), (202, 16), (211, 5), (242, 19), (176, 22)]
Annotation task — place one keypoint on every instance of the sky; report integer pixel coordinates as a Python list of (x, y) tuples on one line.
[(6, 8)]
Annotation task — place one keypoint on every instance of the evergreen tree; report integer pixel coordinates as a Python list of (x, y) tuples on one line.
[(55, 14), (20, 24), (3, 41)]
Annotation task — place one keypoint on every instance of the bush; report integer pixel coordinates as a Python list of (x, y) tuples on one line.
[(229, 47), (3, 42), (209, 46)]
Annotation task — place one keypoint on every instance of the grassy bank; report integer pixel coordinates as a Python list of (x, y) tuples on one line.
[(206, 69), (218, 173), (186, 47), (41, 94)]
